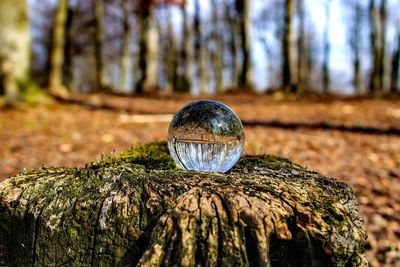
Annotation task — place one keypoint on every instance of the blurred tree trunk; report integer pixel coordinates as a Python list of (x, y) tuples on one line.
[(187, 53), (395, 83), (171, 60), (378, 17), (57, 52), (243, 12), (311, 57), (69, 68), (287, 49), (200, 50), (125, 48), (382, 43), (217, 52), (203, 69), (15, 49), (355, 45), (327, 49), (135, 65), (268, 53), (302, 70), (375, 51), (234, 32), (101, 72), (148, 48)]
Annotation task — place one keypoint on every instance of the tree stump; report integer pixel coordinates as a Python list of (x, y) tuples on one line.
[(138, 209)]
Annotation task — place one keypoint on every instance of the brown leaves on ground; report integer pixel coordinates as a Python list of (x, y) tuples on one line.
[(71, 135)]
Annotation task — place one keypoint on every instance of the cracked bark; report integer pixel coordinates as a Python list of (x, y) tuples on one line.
[(137, 209)]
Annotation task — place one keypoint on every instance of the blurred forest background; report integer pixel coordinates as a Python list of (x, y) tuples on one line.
[(315, 81), (199, 47)]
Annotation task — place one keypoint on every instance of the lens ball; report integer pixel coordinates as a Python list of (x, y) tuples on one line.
[(206, 136)]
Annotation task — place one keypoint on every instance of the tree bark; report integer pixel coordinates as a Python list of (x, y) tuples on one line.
[(15, 49), (243, 12), (138, 209), (287, 47), (56, 83), (101, 71)]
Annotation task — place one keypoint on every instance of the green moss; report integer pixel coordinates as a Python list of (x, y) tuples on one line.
[(73, 233), (153, 156), (248, 163), (2, 101), (334, 215), (32, 94), (156, 156)]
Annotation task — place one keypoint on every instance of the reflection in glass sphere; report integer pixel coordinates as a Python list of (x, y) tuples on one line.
[(206, 136)]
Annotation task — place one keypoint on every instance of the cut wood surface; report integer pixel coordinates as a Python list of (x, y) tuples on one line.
[(139, 209)]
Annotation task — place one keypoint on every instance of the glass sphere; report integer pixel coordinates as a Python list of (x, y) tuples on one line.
[(206, 136)]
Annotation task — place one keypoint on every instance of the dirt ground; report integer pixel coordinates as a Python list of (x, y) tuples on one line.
[(71, 135)]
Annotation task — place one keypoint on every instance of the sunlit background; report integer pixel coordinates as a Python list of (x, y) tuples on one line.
[(266, 44)]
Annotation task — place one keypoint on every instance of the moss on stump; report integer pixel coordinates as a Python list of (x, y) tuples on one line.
[(139, 209)]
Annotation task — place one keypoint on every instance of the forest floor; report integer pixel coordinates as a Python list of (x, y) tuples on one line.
[(356, 141)]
